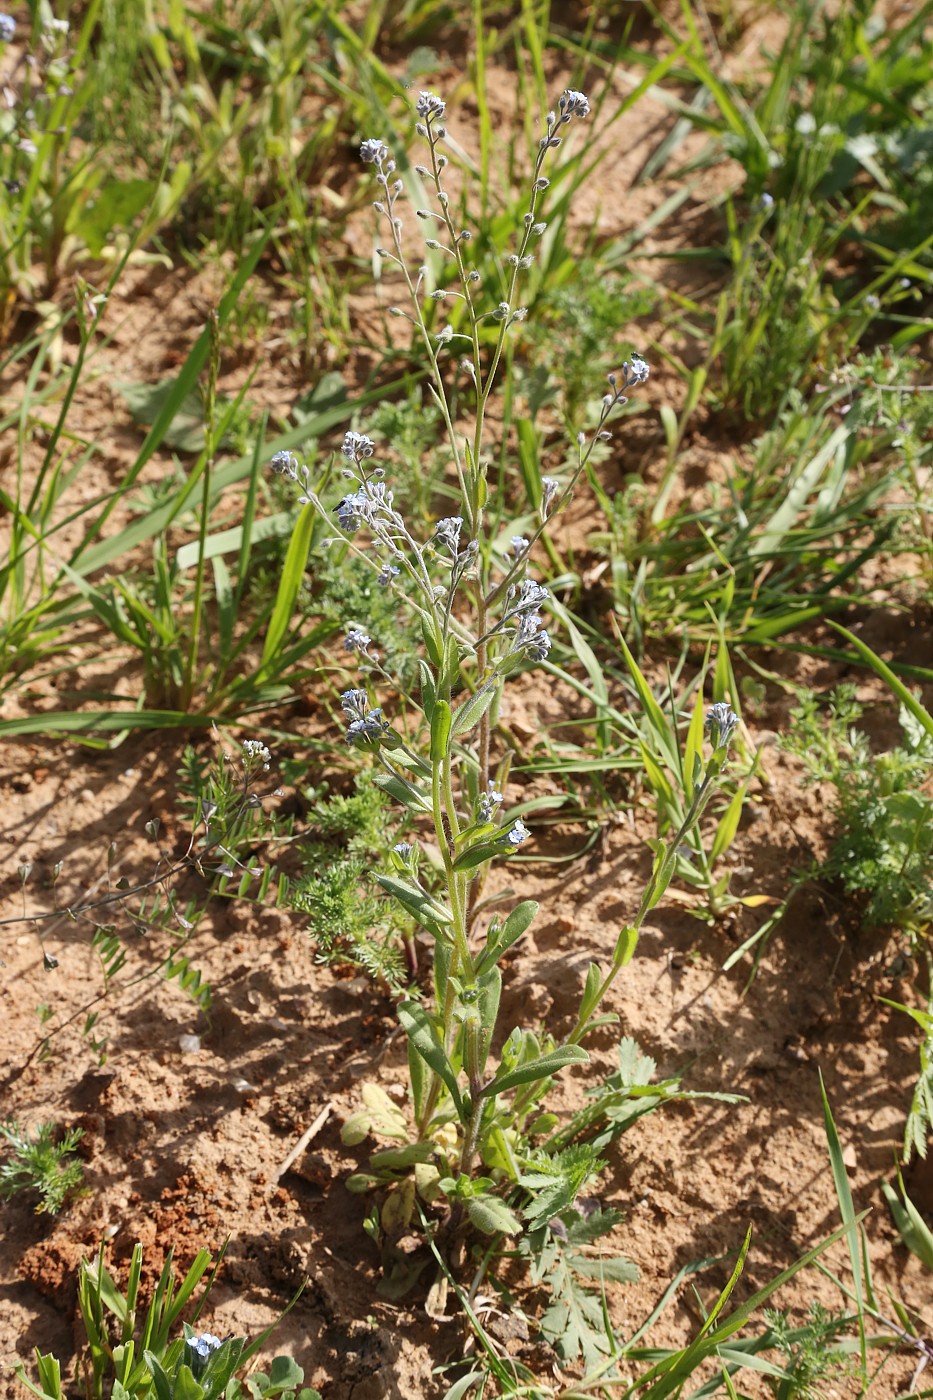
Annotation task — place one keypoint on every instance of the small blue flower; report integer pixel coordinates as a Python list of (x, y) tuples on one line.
[(352, 512), (517, 833), (285, 462), (430, 107), (518, 544), (720, 724), (549, 489), (356, 446), (202, 1349), (448, 532), (386, 574), (403, 849), (573, 104), (7, 28), (539, 646), (530, 596), (488, 802), (354, 703), (205, 1344), (356, 640), (636, 371), (373, 152)]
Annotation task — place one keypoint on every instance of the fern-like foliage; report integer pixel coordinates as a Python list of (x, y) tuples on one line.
[(623, 1098), (563, 1260), (37, 1164)]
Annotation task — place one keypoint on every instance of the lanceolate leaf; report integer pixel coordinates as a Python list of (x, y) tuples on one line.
[(423, 1035), (541, 1068), (418, 902)]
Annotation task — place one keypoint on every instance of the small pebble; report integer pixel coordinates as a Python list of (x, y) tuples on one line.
[(189, 1044)]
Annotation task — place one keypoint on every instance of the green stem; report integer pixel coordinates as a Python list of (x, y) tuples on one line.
[(659, 880)]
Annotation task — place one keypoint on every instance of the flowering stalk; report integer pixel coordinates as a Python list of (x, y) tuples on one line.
[(482, 621)]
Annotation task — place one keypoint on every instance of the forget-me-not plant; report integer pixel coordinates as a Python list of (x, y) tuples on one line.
[(483, 617)]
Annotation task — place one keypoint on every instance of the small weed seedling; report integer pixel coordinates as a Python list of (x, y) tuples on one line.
[(884, 818), (38, 1165)]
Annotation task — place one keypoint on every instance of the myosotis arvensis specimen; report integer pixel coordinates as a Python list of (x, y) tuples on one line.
[(481, 622)]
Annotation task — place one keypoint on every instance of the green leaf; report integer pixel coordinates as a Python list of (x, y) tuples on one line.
[(440, 731), (115, 206), (479, 854), (402, 793), (846, 1204), (500, 940), (693, 752), (541, 1068), (284, 1374), (626, 943), (159, 1378), (492, 1216), (290, 582), (397, 1158), (728, 824), (616, 1269), (465, 1383), (594, 980), (906, 697), (435, 918), (422, 1033), (428, 689), (490, 992), (911, 1225), (656, 716), (185, 1386), (469, 714)]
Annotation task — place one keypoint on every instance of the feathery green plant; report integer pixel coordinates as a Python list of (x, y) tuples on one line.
[(36, 1164)]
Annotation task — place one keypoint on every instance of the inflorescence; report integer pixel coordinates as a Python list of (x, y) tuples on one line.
[(431, 571)]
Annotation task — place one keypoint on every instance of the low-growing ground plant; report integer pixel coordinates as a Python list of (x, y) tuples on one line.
[(37, 1164), (882, 848), (156, 1355)]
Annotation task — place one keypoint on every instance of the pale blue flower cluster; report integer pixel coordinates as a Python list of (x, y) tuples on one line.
[(516, 834), (7, 28), (200, 1350), (720, 724), (430, 107), (366, 727), (573, 104), (489, 801), (448, 532), (288, 465), (204, 1344)]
